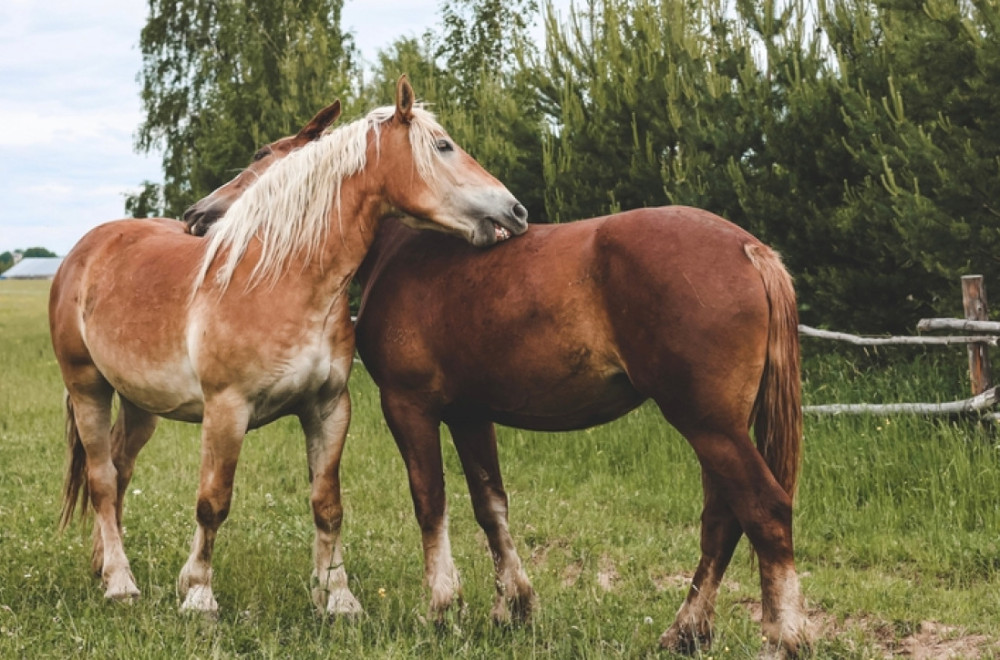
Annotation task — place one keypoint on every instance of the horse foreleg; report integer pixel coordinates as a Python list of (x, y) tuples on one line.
[(764, 511), (720, 532), (326, 431), (417, 435), (92, 416), (477, 448), (130, 433), (223, 430)]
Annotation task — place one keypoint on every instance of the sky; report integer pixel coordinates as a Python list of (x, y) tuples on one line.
[(70, 107)]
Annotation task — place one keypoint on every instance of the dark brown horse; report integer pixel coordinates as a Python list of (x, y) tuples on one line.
[(248, 325), (571, 326)]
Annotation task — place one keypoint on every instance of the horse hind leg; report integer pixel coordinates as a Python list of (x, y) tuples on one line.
[(737, 473), (326, 432), (476, 444), (131, 431), (88, 425)]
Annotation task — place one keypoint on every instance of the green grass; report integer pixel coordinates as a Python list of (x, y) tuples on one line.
[(896, 524)]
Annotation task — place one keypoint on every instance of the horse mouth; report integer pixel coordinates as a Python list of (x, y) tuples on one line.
[(500, 232)]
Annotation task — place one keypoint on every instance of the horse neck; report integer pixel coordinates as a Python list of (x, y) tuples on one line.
[(352, 230)]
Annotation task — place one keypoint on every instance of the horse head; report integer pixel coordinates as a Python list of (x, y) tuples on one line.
[(442, 187), (201, 215)]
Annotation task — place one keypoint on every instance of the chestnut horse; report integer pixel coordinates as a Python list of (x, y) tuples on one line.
[(574, 325), (249, 325)]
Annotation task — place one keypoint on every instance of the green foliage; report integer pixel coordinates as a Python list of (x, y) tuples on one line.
[(480, 95), (6, 261), (839, 135), (859, 137), (220, 79), (147, 203), (38, 252)]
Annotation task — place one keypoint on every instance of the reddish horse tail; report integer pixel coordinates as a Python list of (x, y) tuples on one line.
[(76, 470), (777, 413)]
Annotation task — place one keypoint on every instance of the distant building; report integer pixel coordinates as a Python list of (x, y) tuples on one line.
[(32, 268)]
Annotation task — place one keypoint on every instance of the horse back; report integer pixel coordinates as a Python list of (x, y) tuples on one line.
[(566, 326)]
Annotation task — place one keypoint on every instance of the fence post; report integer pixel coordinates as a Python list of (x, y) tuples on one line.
[(974, 301)]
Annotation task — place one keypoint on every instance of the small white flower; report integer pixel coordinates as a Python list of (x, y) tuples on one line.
[(648, 620), (137, 491)]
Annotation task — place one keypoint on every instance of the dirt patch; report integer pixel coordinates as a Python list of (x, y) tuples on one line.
[(930, 641), (607, 574), (572, 573)]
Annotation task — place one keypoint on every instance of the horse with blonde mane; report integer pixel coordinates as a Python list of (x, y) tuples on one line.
[(247, 326)]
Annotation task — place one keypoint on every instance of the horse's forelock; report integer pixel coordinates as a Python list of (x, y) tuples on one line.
[(287, 208)]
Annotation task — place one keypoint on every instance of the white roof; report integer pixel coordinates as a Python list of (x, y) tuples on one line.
[(33, 268)]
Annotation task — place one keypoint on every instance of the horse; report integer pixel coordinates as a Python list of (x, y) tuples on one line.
[(574, 325), (571, 326), (248, 325)]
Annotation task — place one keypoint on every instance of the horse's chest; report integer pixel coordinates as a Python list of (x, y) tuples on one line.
[(300, 376)]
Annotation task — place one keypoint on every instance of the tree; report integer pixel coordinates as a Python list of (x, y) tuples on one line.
[(38, 252), (470, 75), (219, 79)]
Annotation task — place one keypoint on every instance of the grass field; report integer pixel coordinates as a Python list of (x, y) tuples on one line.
[(897, 531)]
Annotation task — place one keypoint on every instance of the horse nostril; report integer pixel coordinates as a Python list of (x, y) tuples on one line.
[(520, 213)]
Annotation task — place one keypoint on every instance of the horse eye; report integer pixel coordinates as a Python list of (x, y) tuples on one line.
[(444, 145), (260, 154)]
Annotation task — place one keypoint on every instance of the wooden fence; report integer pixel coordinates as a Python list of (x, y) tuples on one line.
[(984, 395)]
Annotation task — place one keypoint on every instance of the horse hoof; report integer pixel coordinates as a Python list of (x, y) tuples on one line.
[(199, 600), (514, 611), (342, 603), (121, 588), (127, 597), (685, 641)]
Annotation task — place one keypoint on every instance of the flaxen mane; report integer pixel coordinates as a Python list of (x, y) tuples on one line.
[(289, 206)]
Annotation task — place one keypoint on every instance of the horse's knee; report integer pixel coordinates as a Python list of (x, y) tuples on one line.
[(211, 514), (327, 516)]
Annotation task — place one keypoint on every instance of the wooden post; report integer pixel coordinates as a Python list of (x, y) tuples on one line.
[(974, 301)]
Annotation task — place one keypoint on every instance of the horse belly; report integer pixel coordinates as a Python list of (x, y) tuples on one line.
[(556, 402), (168, 389)]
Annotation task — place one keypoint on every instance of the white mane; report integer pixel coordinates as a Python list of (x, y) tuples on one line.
[(289, 208)]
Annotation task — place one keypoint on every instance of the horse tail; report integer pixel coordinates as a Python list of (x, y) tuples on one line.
[(777, 411), (76, 470)]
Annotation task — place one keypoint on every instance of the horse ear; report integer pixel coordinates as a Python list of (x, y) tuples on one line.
[(318, 124), (404, 99)]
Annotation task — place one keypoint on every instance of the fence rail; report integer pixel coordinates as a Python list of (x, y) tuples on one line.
[(984, 396)]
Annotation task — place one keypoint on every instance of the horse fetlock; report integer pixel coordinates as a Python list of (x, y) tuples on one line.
[(97, 553), (444, 601)]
